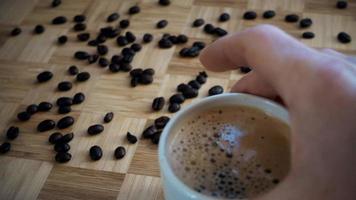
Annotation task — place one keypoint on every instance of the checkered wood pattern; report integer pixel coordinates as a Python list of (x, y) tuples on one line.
[(29, 170)]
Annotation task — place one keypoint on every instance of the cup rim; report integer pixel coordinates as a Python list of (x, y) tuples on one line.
[(164, 165)]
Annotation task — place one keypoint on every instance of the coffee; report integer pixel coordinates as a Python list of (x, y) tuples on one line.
[(230, 152)]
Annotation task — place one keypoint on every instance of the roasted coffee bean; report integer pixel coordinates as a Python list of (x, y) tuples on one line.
[(39, 29), (103, 62), (245, 70), (173, 39), (165, 43), (113, 17), (79, 18), (108, 117), (5, 147), (64, 86), (55, 137), (81, 55), (189, 52), (173, 107), (110, 32), (102, 49), (124, 23), (63, 157), (66, 138), (136, 47), (44, 106), (79, 27), (184, 52), (125, 67), (32, 109), (44, 76), (114, 67), (95, 153), (46, 125), (177, 98), (65, 122), (155, 137), (158, 103), (269, 14), (134, 81), (73, 70), (59, 20), (120, 152), (145, 79), (147, 37), (161, 122), (130, 37), (182, 87), (164, 2), (220, 32), (121, 41), (149, 71), (203, 73), (78, 98), (162, 23), (305, 23), (56, 3), (83, 76), (127, 51), (198, 22), (182, 39), (200, 45), (215, 90), (101, 38), (64, 109), (149, 131), (62, 39), (341, 4), (126, 59), (16, 31), (136, 72), (194, 84), (61, 147), (308, 35), (83, 37), (95, 129), (134, 10), (12, 133), (23, 116), (190, 93), (250, 15), (344, 37), (93, 58), (64, 101), (209, 28), (131, 138), (200, 79), (291, 18), (224, 17), (165, 36)]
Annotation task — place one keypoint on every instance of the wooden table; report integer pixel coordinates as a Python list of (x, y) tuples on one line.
[(29, 171)]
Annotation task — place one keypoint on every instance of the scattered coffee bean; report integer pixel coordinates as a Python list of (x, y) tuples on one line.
[(194, 84), (120, 152), (215, 90), (63, 157), (136, 47), (145, 79), (83, 37), (147, 37), (224, 17), (201, 79), (155, 138), (190, 93), (124, 23), (103, 62), (130, 37), (149, 131), (182, 87), (16, 31), (164, 2), (121, 41), (125, 67), (44, 76), (108, 117), (44, 106), (173, 107), (66, 138), (56, 3), (46, 125), (177, 98), (59, 20), (131, 138), (64, 109), (95, 153), (344, 37), (12, 133), (341, 4), (161, 122), (61, 147), (101, 38), (81, 55), (83, 76), (39, 29), (73, 70), (182, 39), (136, 72), (245, 70), (23, 116), (198, 22), (32, 109), (95, 129), (55, 137), (149, 71), (127, 59), (93, 58), (158, 103), (250, 15), (113, 17), (173, 39), (134, 81), (127, 51), (102, 49), (5, 147), (64, 86), (291, 18), (79, 27), (308, 35), (114, 67), (209, 29), (62, 39), (110, 32), (220, 32), (64, 101), (162, 23), (269, 14), (165, 43), (305, 23), (65, 122), (79, 18), (134, 10), (78, 98)]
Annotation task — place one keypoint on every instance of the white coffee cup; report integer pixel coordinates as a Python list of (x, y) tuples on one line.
[(174, 188)]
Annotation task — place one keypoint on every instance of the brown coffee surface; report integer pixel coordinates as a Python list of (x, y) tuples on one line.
[(230, 152)]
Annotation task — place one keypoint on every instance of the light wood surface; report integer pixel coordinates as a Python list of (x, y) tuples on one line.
[(29, 170)]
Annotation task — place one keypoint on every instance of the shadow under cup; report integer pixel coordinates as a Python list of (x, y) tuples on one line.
[(230, 146)]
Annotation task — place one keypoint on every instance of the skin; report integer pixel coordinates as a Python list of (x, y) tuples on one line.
[(319, 90)]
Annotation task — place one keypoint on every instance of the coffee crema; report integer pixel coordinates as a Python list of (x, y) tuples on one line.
[(232, 152)]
